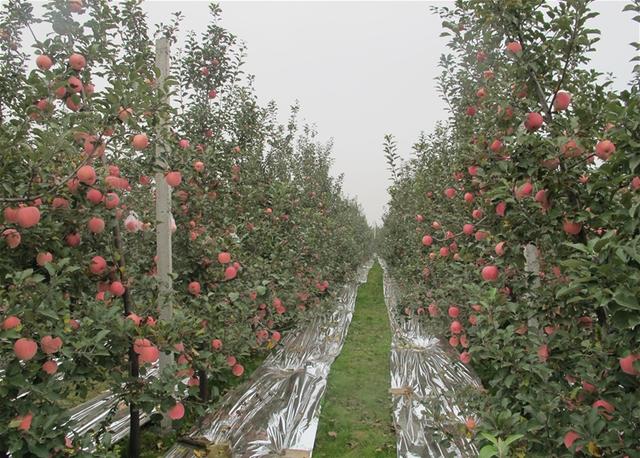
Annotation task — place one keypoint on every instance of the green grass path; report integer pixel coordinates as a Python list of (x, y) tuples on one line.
[(355, 420)]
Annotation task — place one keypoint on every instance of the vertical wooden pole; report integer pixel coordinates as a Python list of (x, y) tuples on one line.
[(163, 211)]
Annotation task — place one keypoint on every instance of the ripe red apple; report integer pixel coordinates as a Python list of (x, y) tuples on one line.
[(25, 349), (194, 288), (75, 6), (500, 248), (184, 143), (454, 341), (465, 357), (96, 225), (477, 213), (473, 170), (627, 364), (173, 179), (10, 322), (149, 354), (87, 175), (455, 327), (10, 215), (420, 218), (514, 47), (471, 110), (570, 438), (500, 208), (450, 193), (571, 228), (533, 122), (212, 94), (230, 273), (98, 265), (427, 240), (117, 288), (468, 229), (44, 62), (524, 190), (73, 106), (50, 344), (607, 407), (198, 166), (75, 84), (543, 353), (496, 146), (25, 422), (605, 149), (50, 367), (176, 412), (94, 196), (135, 318), (44, 258), (140, 141), (77, 61), (237, 370), (453, 311), (562, 100), (224, 257), (468, 197), (216, 344), (73, 239), (28, 217), (490, 273), (444, 251), (111, 200), (481, 235), (436, 225)]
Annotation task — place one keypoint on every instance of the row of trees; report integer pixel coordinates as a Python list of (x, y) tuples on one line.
[(89, 129), (514, 229)]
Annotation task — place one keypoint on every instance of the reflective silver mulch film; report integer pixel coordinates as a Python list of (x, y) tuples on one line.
[(276, 411), (427, 379)]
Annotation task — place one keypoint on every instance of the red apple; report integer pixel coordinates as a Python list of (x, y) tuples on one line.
[(10, 322), (44, 258), (490, 273), (77, 61), (605, 149), (173, 179), (25, 349), (533, 122), (96, 225), (28, 217), (562, 100), (44, 62), (194, 288), (140, 141)]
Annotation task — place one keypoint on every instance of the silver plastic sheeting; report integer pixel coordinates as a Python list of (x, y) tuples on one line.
[(427, 381), (89, 416), (276, 411)]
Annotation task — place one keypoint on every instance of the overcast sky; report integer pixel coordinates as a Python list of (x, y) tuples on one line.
[(364, 69)]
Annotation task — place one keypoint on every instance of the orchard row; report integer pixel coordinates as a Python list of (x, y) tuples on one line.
[(89, 129), (515, 231)]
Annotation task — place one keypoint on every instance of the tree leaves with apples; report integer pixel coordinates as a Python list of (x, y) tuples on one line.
[(513, 231)]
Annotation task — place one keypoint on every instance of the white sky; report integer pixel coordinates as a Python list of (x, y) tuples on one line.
[(364, 69)]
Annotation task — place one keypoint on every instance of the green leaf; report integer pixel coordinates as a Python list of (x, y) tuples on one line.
[(488, 451), (513, 438), (626, 298)]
